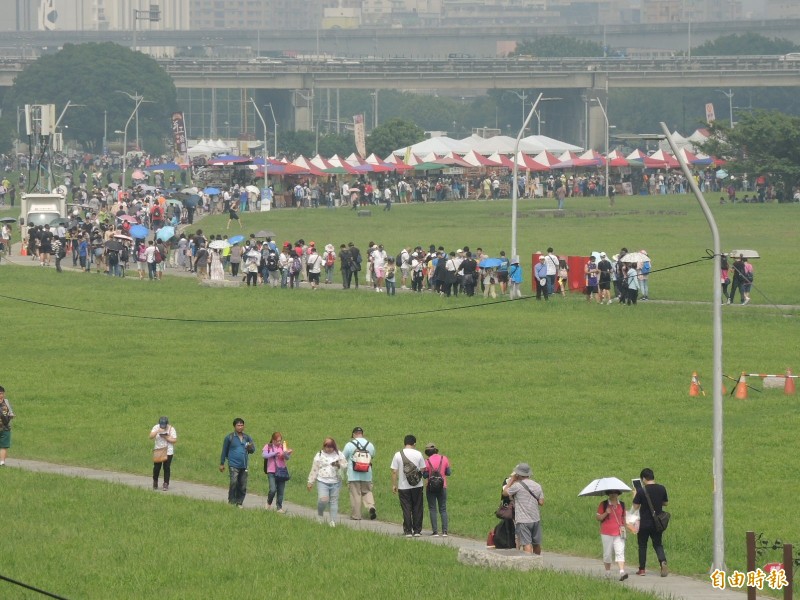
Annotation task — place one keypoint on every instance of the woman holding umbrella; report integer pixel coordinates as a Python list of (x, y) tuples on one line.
[(611, 514)]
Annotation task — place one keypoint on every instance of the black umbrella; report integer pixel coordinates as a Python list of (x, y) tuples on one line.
[(8, 220), (114, 245), (191, 201)]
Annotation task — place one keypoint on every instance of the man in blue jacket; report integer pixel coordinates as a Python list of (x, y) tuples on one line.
[(236, 450)]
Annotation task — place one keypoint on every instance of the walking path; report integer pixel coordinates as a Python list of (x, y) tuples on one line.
[(675, 586)]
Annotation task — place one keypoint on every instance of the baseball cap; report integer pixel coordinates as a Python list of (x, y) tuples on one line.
[(358, 430)]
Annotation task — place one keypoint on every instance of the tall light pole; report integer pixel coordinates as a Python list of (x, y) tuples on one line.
[(264, 125), (274, 130), (125, 142), (139, 99), (514, 182), (729, 96), (375, 115), (605, 116), (717, 420)]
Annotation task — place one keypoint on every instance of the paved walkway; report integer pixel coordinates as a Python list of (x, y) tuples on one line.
[(674, 587)]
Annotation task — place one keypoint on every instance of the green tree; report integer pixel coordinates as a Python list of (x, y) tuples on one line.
[(761, 143), (392, 135), (88, 76), (748, 44), (557, 46)]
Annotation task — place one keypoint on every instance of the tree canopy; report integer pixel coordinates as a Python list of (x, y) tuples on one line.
[(89, 76), (558, 46), (761, 142), (749, 44), (393, 134)]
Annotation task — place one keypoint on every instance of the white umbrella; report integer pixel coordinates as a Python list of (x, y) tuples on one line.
[(253, 189), (601, 487), (744, 253), (634, 257), (254, 254), (219, 244)]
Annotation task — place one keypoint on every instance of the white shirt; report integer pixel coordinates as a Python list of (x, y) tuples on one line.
[(314, 262), (150, 254), (551, 262), (161, 440), (415, 456)]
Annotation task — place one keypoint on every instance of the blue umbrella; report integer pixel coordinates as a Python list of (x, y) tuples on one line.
[(165, 233), (211, 191), (139, 232), (235, 239), (490, 263)]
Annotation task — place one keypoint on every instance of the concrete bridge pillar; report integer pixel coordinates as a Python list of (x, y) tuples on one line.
[(303, 105)]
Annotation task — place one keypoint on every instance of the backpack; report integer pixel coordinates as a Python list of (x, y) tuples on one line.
[(142, 253), (157, 257), (410, 470), (125, 255), (645, 267), (398, 260), (329, 259), (296, 266), (272, 262), (361, 459), (435, 477), (157, 213)]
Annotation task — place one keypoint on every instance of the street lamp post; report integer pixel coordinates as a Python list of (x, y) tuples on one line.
[(718, 560), (729, 96), (125, 143), (264, 125), (153, 15), (136, 98), (274, 130), (605, 116), (514, 191)]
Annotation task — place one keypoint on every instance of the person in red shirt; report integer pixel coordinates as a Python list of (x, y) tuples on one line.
[(611, 514)]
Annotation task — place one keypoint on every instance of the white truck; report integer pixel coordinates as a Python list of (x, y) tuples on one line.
[(42, 209)]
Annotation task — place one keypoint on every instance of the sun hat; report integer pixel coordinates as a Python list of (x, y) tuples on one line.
[(431, 446), (523, 470)]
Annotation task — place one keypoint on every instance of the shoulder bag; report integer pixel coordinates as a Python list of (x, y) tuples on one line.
[(661, 520)]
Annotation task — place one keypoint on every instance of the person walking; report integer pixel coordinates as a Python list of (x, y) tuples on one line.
[(165, 437), (611, 514), (409, 463), (540, 272), (528, 497), (6, 415), (654, 498), (515, 279), (326, 472), (360, 452), (437, 469), (275, 454), (632, 287), (236, 449)]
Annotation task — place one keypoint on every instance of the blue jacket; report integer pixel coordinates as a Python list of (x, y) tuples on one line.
[(235, 451), (515, 273)]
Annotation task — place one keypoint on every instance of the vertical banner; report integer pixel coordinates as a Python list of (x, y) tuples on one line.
[(181, 154), (710, 113), (358, 130)]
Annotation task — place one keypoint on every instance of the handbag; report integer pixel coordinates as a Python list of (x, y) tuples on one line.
[(160, 455), (505, 511), (661, 520), (282, 474)]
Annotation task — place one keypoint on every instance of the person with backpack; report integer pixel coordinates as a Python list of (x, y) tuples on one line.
[(329, 259), (236, 449), (360, 452), (407, 481), (437, 469), (611, 514), (295, 268), (273, 267)]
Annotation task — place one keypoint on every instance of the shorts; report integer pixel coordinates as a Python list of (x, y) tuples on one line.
[(313, 277), (5, 438), (529, 533), (502, 276), (605, 285), (591, 289), (232, 215), (378, 272), (615, 544)]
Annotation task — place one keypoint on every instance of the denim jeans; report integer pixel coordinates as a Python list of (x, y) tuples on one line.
[(276, 488), (151, 270), (441, 499), (390, 288), (238, 486), (328, 494), (284, 277)]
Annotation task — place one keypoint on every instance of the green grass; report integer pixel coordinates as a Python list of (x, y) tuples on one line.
[(109, 541), (579, 391)]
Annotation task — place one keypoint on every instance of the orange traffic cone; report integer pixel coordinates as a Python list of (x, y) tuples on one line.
[(23, 251), (788, 387), (694, 387), (741, 387)]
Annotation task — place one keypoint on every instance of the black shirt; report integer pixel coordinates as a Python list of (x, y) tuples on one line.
[(658, 496)]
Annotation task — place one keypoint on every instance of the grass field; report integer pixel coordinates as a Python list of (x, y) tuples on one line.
[(579, 391)]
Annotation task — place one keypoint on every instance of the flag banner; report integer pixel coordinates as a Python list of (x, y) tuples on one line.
[(710, 118), (358, 130), (181, 153)]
